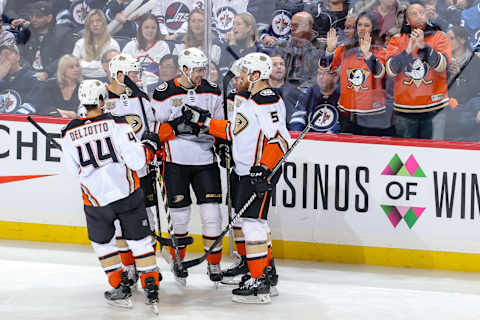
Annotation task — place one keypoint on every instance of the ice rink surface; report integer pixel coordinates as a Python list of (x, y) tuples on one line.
[(57, 281)]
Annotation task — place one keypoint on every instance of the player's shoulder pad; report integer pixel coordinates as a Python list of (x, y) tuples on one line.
[(244, 94), (71, 125), (208, 87), (118, 119), (266, 96), (166, 90)]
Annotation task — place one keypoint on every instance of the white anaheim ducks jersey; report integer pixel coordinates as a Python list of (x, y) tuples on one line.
[(259, 120), (129, 107), (105, 153), (187, 149)]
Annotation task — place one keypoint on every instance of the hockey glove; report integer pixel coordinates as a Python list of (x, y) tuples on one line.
[(151, 141), (258, 178), (224, 149), (197, 116), (182, 125)]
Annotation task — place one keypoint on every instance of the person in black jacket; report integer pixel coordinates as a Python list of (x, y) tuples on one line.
[(48, 41)]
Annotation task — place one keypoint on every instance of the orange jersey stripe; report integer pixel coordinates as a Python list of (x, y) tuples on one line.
[(218, 128)]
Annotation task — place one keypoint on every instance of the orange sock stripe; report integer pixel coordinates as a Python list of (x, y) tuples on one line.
[(182, 252), (144, 276), (115, 277), (241, 248), (256, 266), (127, 258), (269, 255), (214, 258)]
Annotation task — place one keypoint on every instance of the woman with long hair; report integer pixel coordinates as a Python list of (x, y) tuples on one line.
[(62, 93), (148, 48), (96, 40), (195, 37), (362, 70)]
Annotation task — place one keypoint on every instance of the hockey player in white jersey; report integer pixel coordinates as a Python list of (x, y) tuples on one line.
[(103, 151), (259, 139), (123, 102), (190, 160)]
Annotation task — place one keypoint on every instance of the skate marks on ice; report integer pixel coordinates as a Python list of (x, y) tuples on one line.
[(55, 281)]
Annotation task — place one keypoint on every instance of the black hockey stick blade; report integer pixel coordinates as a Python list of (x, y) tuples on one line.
[(133, 86), (45, 133), (168, 242)]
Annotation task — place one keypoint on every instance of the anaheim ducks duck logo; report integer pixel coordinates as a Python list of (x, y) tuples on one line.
[(357, 78), (240, 123), (135, 122), (417, 71)]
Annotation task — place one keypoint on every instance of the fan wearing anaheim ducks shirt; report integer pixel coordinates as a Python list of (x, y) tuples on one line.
[(259, 140), (417, 60), (103, 151), (123, 102), (190, 160)]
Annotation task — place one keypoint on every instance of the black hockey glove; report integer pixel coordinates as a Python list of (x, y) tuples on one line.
[(182, 125), (258, 178), (224, 149), (198, 117), (151, 141)]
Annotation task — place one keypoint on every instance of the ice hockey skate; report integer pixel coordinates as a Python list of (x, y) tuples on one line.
[(271, 273), (234, 273), (132, 277), (215, 273), (120, 296), (253, 291), (179, 274), (151, 295)]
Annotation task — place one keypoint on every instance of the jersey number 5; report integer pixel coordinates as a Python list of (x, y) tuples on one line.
[(96, 153)]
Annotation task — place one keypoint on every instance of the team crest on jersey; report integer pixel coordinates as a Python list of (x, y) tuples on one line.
[(163, 86), (176, 14), (177, 198), (135, 122), (109, 105), (225, 17), (357, 78), (327, 120), (281, 23), (240, 123), (417, 71), (79, 10), (9, 101), (267, 92), (177, 102)]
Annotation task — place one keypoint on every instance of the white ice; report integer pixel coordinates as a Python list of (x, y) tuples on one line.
[(57, 281)]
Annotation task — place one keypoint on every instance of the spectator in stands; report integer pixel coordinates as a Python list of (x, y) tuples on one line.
[(195, 37), (96, 40), (106, 57), (470, 18), (289, 93), (18, 85), (463, 121), (362, 69), (349, 29), (48, 41), (114, 11), (329, 14), (168, 67), (417, 60), (243, 39), (323, 95), (16, 28), (443, 20), (299, 54), (61, 98), (385, 12), (148, 48)]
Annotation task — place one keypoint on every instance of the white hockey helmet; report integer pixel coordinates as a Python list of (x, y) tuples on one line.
[(192, 58), (90, 91), (257, 61), (123, 63), (237, 67)]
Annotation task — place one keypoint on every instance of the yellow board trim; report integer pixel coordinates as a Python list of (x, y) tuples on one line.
[(281, 249)]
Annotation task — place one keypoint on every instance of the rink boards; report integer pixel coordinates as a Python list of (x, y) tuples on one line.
[(345, 199)]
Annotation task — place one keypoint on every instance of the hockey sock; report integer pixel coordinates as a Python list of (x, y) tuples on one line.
[(239, 240), (147, 275), (256, 258), (125, 253), (115, 277), (269, 245), (216, 255)]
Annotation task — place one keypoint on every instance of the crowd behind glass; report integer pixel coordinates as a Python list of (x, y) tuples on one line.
[(375, 67)]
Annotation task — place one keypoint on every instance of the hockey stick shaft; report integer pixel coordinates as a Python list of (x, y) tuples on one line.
[(129, 83), (194, 262), (45, 133)]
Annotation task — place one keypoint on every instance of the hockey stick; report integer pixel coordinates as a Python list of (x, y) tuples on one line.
[(194, 262), (45, 133), (226, 80), (178, 263)]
